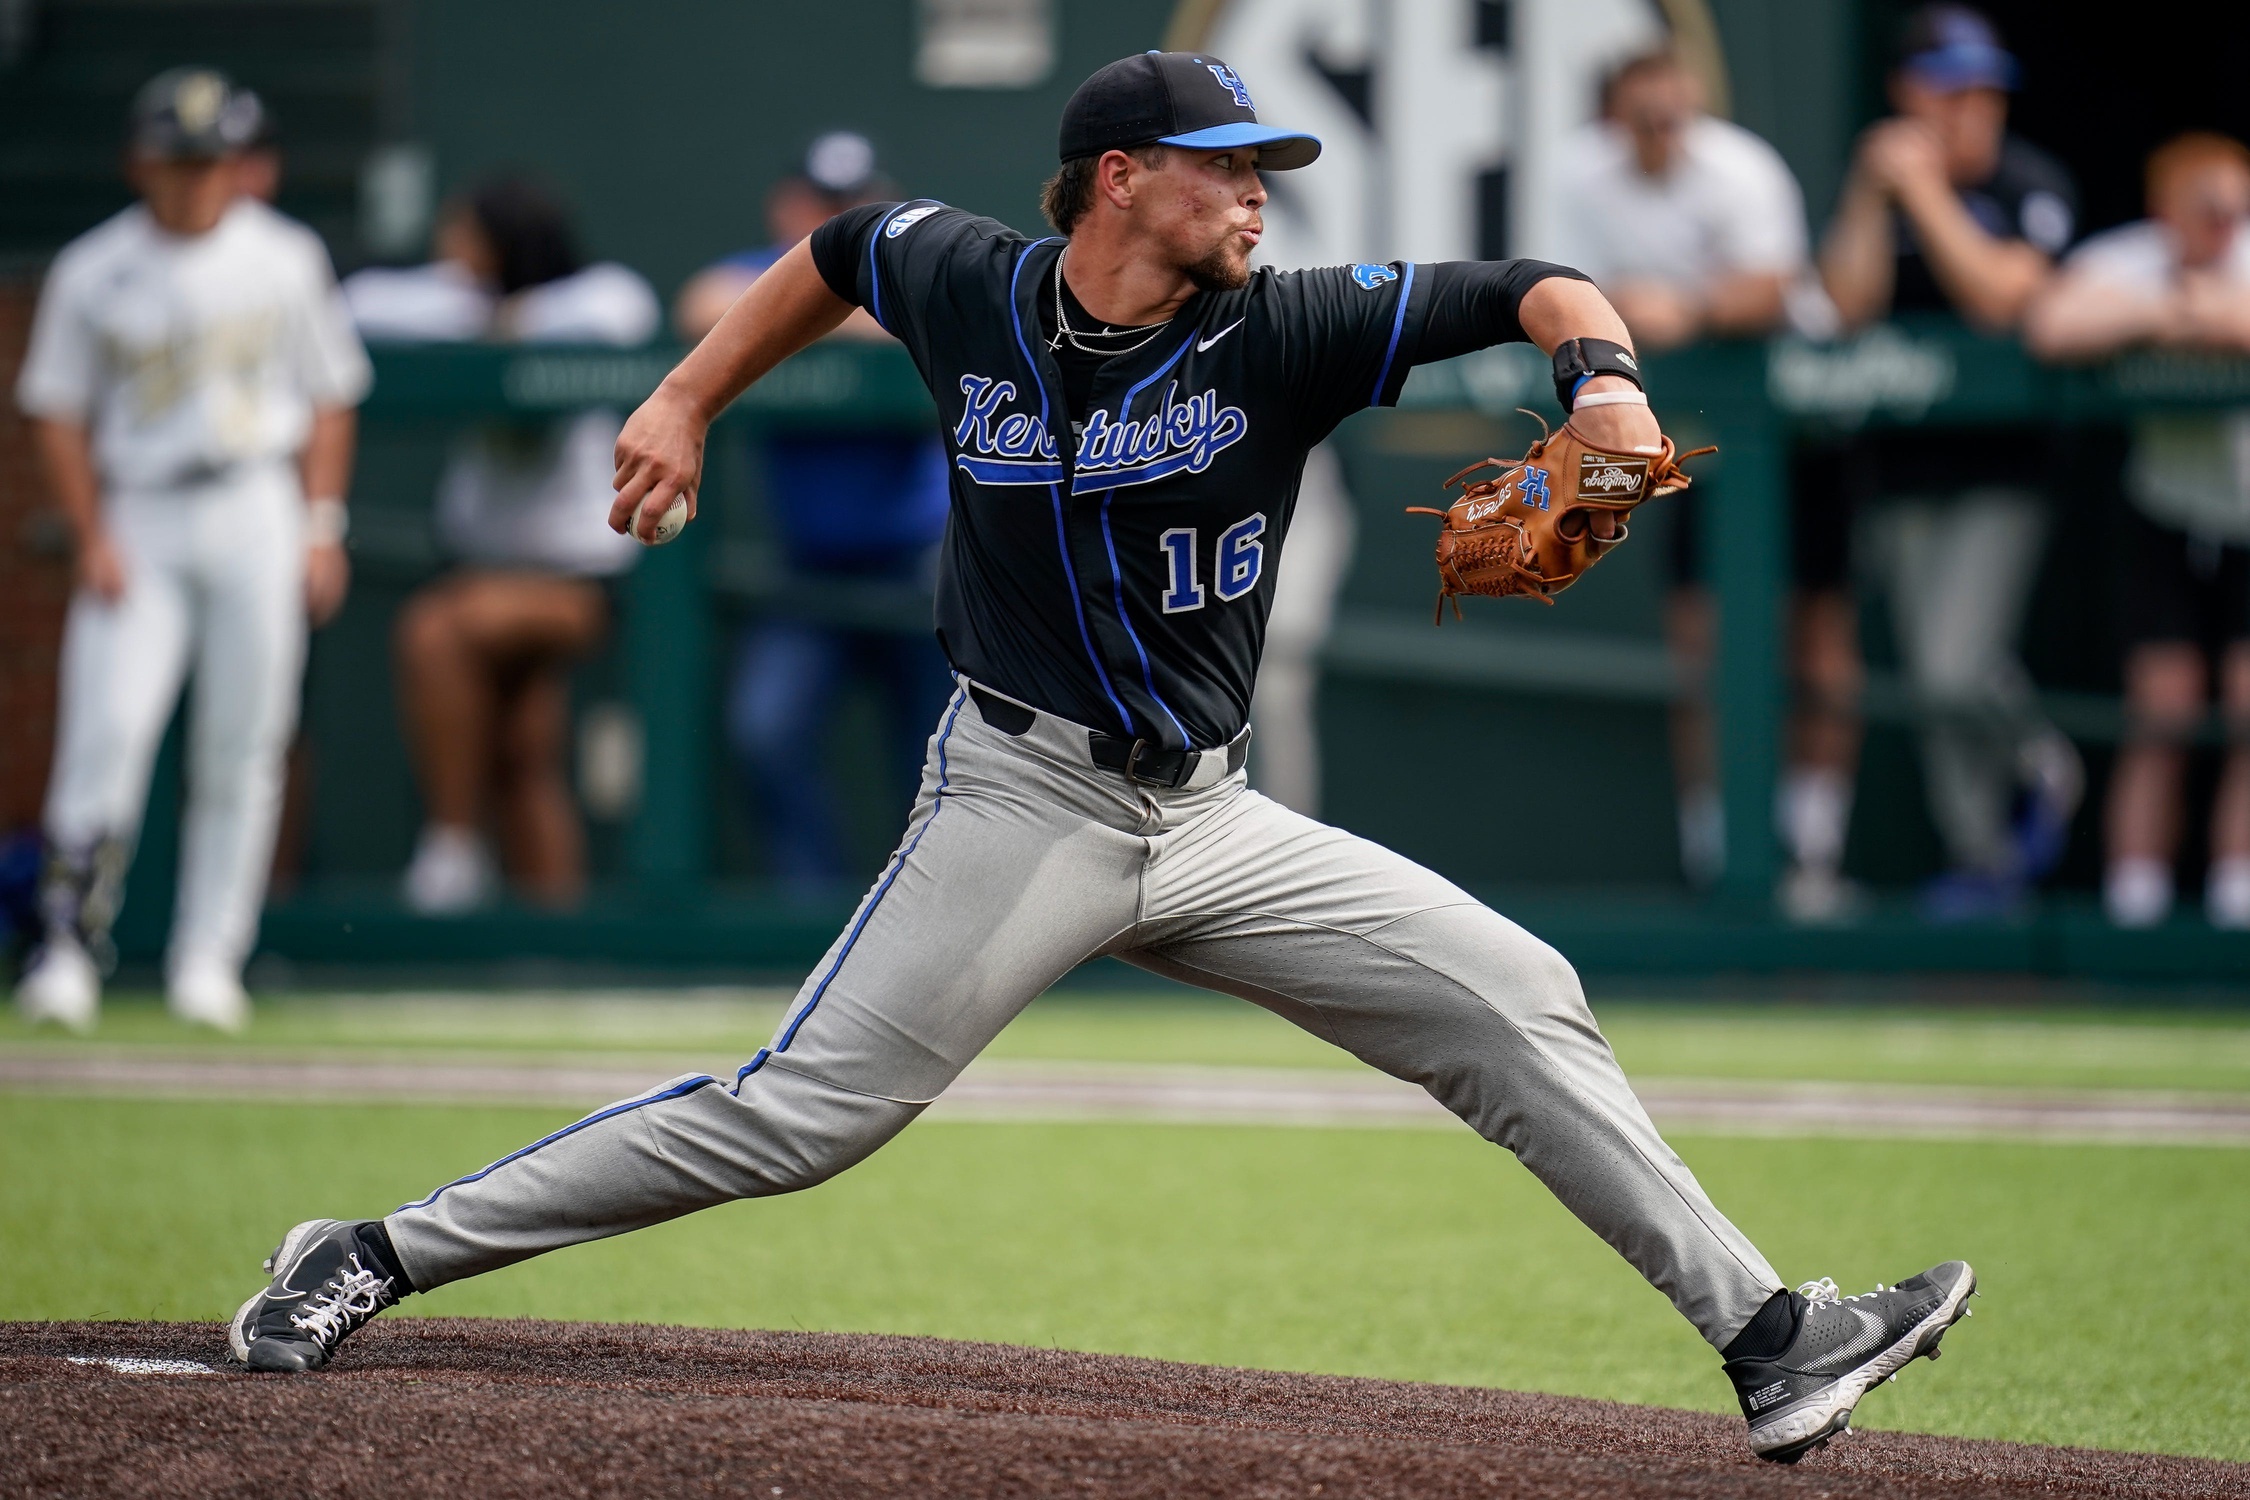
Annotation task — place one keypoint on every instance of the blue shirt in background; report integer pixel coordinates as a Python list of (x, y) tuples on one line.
[(871, 502)]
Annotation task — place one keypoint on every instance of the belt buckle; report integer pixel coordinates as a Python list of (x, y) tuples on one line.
[(1132, 761)]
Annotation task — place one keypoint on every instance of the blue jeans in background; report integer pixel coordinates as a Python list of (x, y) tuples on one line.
[(780, 704)]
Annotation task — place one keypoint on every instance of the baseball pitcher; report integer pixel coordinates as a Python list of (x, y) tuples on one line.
[(1128, 407), (191, 379)]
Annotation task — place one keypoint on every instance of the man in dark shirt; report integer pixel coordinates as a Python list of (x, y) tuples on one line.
[(1128, 408), (848, 509), (1946, 212)]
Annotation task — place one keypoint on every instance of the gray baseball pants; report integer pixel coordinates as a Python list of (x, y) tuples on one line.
[(1022, 860)]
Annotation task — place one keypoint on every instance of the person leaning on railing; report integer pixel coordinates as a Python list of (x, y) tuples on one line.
[(1694, 228), (2179, 278), (848, 509), (484, 653), (1945, 211)]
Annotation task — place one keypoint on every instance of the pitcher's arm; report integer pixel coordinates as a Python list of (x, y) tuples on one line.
[(660, 452)]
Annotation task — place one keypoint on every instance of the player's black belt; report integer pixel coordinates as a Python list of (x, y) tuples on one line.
[(1139, 761), (1153, 765)]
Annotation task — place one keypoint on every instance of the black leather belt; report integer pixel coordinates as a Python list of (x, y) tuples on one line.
[(1141, 761), (1153, 765)]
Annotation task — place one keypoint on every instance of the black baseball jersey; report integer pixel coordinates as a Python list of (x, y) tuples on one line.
[(1118, 569), (2028, 197)]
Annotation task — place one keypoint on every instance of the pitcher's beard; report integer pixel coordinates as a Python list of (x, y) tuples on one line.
[(1220, 270)]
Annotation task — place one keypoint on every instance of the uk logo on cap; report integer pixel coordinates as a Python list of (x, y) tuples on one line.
[(1232, 83)]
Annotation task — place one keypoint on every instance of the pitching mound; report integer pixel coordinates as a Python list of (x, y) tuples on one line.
[(474, 1408)]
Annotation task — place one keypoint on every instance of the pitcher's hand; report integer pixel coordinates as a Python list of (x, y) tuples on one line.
[(659, 455), (1615, 429)]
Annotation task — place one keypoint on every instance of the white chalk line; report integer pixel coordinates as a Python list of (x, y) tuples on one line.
[(1711, 1106), (1015, 1090), (133, 1364)]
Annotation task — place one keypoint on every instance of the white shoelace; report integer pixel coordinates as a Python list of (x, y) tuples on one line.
[(1825, 1290), (341, 1305)]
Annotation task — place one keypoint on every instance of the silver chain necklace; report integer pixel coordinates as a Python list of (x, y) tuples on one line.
[(1063, 330)]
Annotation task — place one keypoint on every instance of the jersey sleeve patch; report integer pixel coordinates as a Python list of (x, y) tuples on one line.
[(900, 223), (1371, 277)]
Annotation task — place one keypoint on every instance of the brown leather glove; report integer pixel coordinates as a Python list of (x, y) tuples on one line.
[(1530, 529)]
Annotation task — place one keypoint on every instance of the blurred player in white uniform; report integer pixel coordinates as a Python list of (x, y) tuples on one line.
[(190, 381)]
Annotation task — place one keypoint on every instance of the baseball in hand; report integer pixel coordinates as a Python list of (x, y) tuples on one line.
[(672, 523)]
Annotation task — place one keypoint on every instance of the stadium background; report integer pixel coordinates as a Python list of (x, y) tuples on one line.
[(1407, 1254), (663, 132)]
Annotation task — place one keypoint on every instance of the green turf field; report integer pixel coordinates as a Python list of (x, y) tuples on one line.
[(2112, 1313)]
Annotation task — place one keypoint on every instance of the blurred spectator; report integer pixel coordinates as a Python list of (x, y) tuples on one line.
[(484, 653), (1284, 717), (257, 176), (2181, 278), (850, 509), (1945, 210), (1693, 227)]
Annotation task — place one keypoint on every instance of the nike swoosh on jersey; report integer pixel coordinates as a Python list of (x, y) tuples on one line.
[(1203, 344)]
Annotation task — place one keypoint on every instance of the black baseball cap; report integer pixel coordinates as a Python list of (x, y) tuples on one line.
[(1175, 99), (193, 112)]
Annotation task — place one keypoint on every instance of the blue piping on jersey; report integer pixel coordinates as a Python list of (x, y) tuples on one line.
[(1125, 411), (1116, 575), (898, 863), (999, 471), (1117, 579), (883, 232), (673, 1091), (875, 281), (1078, 608), (1398, 322), (1054, 492)]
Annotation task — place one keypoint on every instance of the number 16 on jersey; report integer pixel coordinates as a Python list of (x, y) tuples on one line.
[(1239, 558)]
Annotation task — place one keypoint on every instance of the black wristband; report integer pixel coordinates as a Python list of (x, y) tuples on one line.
[(1580, 360)]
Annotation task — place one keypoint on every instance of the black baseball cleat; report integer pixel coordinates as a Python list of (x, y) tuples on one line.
[(329, 1277), (1842, 1348)]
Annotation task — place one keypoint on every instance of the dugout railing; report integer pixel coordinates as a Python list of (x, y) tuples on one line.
[(1752, 399)]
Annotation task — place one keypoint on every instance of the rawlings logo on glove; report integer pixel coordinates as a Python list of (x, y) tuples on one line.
[(1510, 533)]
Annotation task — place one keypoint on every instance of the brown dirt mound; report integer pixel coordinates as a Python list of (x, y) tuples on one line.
[(479, 1408)]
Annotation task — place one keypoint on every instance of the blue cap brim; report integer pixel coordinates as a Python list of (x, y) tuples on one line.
[(1278, 150), (1964, 65)]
